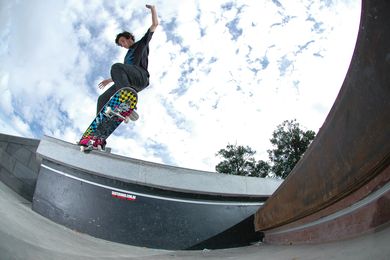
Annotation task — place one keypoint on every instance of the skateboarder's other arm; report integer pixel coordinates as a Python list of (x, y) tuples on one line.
[(105, 83), (154, 17)]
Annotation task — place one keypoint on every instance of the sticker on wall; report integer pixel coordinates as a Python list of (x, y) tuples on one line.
[(124, 196)]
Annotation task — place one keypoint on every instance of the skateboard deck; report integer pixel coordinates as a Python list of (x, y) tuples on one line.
[(119, 108)]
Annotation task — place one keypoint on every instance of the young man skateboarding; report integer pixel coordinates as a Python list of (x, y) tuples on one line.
[(134, 71)]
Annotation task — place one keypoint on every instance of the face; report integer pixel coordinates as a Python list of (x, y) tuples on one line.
[(125, 43)]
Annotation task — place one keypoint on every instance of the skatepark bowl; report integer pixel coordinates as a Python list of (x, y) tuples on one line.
[(59, 203)]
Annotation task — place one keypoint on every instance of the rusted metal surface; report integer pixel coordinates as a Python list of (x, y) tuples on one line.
[(353, 145), (364, 211), (345, 227), (354, 198)]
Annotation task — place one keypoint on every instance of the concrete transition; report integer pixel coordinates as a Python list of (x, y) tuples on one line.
[(58, 203)]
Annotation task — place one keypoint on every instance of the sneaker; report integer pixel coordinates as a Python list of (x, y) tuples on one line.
[(100, 144)]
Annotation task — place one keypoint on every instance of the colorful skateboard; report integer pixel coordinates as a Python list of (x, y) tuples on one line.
[(119, 108)]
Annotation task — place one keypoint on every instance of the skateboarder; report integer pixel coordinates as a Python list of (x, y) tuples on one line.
[(134, 71)]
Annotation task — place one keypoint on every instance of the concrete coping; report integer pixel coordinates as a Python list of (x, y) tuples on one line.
[(154, 174), (18, 140)]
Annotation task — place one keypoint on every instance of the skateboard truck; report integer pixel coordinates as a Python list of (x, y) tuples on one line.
[(110, 113), (85, 145)]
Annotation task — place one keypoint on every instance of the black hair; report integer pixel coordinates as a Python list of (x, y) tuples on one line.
[(125, 34)]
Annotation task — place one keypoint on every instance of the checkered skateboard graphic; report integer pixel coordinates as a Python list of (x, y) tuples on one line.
[(124, 100), (124, 96)]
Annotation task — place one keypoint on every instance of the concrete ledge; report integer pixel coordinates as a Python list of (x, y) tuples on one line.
[(154, 174), (5, 139)]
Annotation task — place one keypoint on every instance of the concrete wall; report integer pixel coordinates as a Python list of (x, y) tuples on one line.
[(19, 166)]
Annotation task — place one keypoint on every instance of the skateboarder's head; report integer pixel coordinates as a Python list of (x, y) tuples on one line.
[(124, 39)]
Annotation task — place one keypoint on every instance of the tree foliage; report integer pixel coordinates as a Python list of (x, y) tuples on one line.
[(289, 144), (238, 160)]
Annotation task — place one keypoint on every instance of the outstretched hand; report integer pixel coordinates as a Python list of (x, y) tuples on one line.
[(150, 7), (104, 83)]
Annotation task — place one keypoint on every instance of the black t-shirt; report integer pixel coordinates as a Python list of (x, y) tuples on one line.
[(138, 53)]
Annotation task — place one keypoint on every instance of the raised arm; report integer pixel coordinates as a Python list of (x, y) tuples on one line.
[(154, 17)]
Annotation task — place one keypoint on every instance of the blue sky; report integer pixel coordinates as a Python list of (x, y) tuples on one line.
[(221, 71)]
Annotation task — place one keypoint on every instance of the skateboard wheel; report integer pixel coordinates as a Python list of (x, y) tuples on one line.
[(108, 110), (134, 116), (82, 148), (127, 119)]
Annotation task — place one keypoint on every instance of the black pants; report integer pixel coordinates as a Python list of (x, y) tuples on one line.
[(124, 75)]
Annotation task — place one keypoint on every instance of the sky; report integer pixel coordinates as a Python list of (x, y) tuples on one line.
[(221, 72)]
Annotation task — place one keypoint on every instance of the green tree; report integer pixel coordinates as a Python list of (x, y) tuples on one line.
[(262, 169), (238, 160), (290, 143)]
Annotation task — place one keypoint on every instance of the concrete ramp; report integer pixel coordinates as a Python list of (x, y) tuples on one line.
[(25, 234)]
